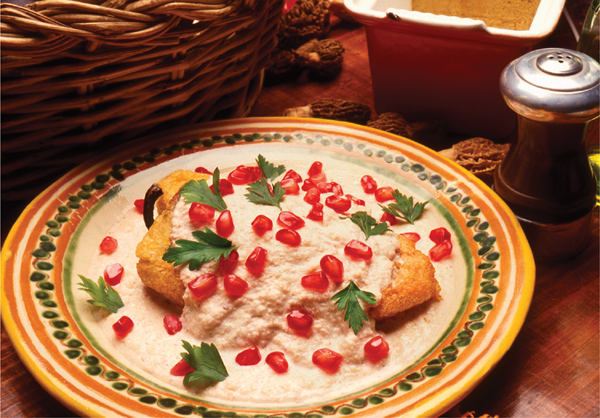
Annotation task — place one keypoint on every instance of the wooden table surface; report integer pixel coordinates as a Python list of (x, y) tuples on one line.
[(552, 369)]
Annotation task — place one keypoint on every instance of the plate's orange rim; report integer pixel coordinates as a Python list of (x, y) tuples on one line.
[(438, 402)]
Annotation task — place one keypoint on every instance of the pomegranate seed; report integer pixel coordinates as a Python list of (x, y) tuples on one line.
[(262, 224), (376, 349), (357, 249), (383, 194), (172, 324), (224, 224), (336, 189), (325, 187), (439, 235), (293, 175), (337, 203), (203, 286), (355, 200), (202, 170), (234, 286), (315, 168), (327, 360), (300, 322), (389, 218), (289, 237), (319, 178), (181, 368), (200, 213), (139, 205), (441, 251), (312, 196), (123, 326), (316, 213), (315, 281), (228, 265), (255, 263), (290, 220), (108, 245), (308, 184), (277, 361), (248, 357), (113, 274), (368, 184), (225, 187), (290, 186), (413, 236), (244, 175), (333, 268)]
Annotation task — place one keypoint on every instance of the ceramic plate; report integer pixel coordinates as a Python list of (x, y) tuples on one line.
[(55, 238)]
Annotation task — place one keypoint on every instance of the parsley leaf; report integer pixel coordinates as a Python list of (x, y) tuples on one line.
[(269, 170), (368, 224), (260, 193), (199, 192), (404, 207), (102, 293), (207, 363), (210, 246), (347, 298)]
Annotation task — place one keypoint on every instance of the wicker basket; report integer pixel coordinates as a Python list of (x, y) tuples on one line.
[(78, 77)]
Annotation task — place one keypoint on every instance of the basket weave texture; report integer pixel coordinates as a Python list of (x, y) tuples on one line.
[(80, 76)]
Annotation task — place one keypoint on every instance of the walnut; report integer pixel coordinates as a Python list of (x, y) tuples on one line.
[(335, 109), (307, 20), (322, 57), (392, 122), (478, 155)]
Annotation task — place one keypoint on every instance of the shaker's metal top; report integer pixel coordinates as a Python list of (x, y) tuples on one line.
[(553, 85)]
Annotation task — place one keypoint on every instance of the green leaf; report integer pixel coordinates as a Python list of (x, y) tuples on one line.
[(207, 363), (269, 170), (347, 299), (102, 293), (208, 246), (259, 193), (368, 224), (404, 208), (199, 192)]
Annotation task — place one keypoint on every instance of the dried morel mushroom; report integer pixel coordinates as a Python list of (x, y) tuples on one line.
[(323, 57), (335, 109), (283, 65), (392, 122), (307, 20), (478, 155)]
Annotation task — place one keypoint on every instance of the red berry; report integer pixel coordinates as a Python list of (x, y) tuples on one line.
[(202, 170), (255, 263), (389, 218), (262, 224), (224, 224), (308, 184), (172, 324), (123, 326), (368, 184), (383, 194), (248, 357), (108, 245), (203, 286), (316, 212), (376, 349), (337, 203), (234, 286), (327, 360), (225, 187), (315, 281), (113, 274), (336, 189), (315, 168), (333, 268), (200, 213), (441, 251), (357, 249), (289, 237), (413, 236), (293, 175), (439, 235), (228, 265), (300, 322), (277, 361), (244, 175), (290, 220), (355, 200), (139, 205), (290, 186), (312, 196), (181, 368)]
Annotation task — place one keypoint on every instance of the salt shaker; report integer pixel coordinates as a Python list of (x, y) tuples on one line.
[(546, 178)]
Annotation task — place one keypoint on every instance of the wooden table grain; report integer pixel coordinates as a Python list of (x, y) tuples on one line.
[(551, 370)]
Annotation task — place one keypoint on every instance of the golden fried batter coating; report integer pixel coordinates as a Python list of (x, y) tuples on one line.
[(414, 284), (156, 273)]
